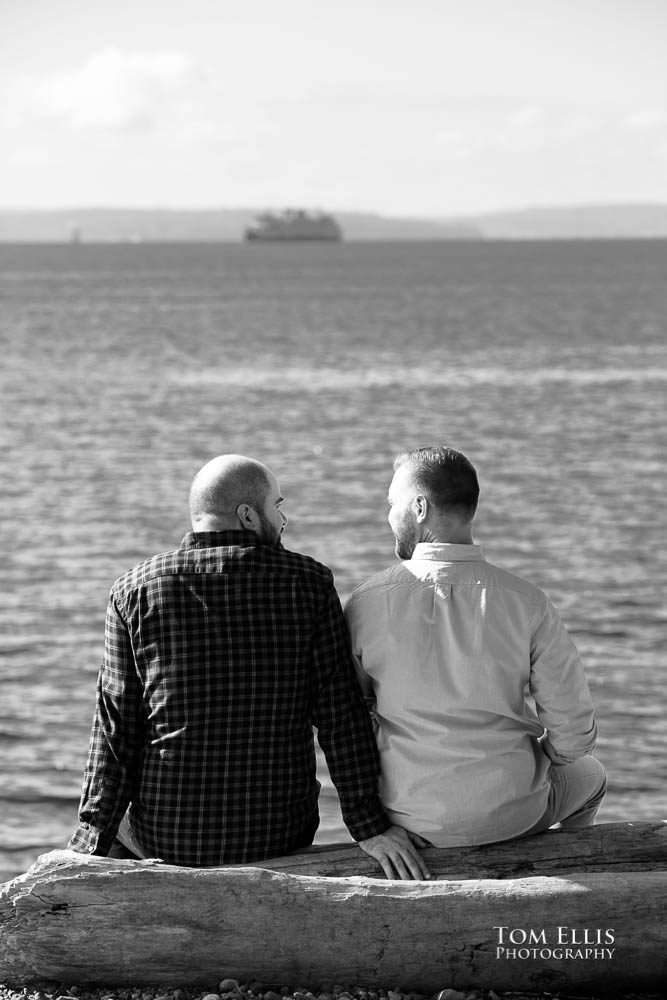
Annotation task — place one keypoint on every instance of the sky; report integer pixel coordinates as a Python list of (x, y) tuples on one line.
[(433, 108)]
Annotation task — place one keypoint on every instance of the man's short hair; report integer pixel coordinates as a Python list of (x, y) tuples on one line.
[(248, 483), (447, 478)]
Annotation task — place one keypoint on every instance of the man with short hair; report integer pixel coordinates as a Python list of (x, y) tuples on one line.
[(484, 719), (220, 657)]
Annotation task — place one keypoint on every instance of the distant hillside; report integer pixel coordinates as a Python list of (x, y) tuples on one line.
[(360, 226), (113, 225), (157, 225), (577, 222), (166, 225)]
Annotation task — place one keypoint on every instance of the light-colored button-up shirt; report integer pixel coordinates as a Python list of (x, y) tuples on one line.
[(476, 688)]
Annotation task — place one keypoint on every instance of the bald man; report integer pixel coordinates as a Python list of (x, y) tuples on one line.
[(220, 658)]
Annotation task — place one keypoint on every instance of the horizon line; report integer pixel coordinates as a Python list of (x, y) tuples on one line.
[(378, 213)]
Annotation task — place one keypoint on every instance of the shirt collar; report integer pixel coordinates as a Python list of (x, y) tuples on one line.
[(448, 552), (215, 539)]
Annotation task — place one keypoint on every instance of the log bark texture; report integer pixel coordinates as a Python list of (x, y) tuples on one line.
[(603, 848), (77, 919)]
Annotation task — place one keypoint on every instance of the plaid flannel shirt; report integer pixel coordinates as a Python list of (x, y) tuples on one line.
[(220, 658)]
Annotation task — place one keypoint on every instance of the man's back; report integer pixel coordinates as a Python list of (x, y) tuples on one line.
[(450, 648), (220, 658)]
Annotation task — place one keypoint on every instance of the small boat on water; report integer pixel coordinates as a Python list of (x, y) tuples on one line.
[(294, 225)]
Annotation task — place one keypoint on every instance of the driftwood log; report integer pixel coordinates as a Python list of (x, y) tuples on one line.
[(550, 912)]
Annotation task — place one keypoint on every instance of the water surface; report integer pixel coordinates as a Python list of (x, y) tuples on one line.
[(124, 368)]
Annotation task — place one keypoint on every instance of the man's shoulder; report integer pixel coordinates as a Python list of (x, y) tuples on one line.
[(303, 564), (259, 558), (160, 564), (511, 581), (394, 575), (477, 572)]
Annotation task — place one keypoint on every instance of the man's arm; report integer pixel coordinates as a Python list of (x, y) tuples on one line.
[(560, 689), (364, 681), (115, 743), (346, 736)]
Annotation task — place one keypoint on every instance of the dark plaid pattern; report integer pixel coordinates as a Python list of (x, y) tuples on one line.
[(220, 657)]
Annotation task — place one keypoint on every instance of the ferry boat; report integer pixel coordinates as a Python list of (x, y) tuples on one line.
[(294, 224)]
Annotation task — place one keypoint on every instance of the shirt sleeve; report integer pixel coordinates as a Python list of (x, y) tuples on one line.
[(560, 689), (115, 742), (363, 679), (344, 727)]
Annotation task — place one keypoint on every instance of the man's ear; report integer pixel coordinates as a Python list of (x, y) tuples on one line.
[(420, 504), (246, 516)]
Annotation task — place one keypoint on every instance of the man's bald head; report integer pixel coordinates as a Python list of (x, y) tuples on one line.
[(222, 486)]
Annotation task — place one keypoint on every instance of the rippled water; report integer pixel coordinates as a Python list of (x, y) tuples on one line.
[(124, 368)]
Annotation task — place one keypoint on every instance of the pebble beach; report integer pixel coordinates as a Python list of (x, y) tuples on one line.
[(231, 989)]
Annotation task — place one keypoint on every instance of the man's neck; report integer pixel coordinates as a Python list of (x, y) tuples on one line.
[(451, 534)]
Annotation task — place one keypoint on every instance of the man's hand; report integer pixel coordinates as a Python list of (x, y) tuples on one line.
[(396, 850)]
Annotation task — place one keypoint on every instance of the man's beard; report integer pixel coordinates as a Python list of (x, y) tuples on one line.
[(268, 535), (406, 539)]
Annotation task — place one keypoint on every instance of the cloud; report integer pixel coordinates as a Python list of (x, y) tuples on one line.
[(526, 117), (453, 143), (646, 120), (114, 90)]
